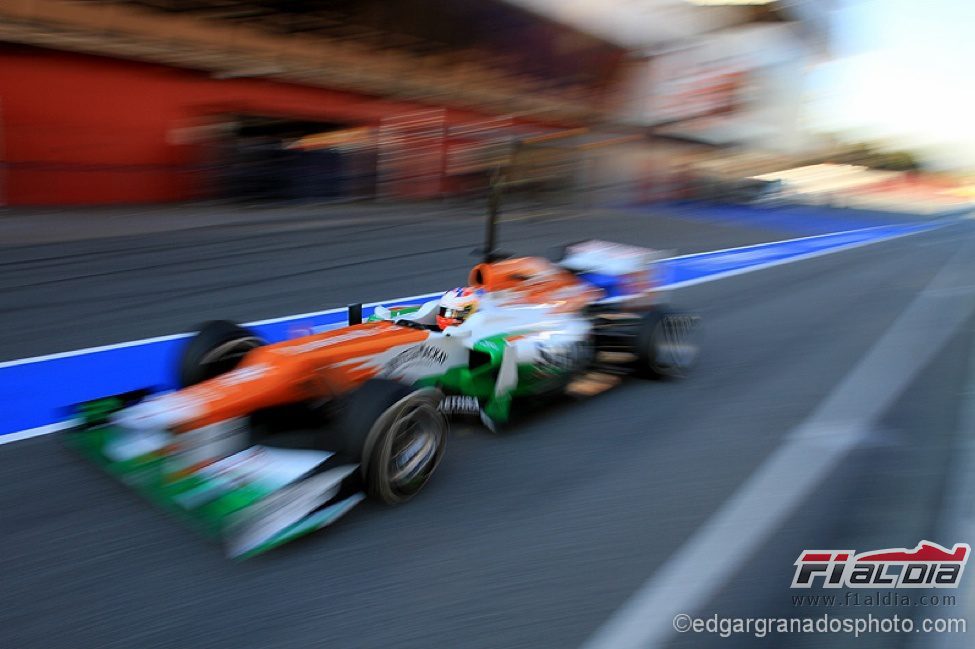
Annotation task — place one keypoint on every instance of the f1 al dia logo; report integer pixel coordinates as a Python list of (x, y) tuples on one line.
[(929, 565)]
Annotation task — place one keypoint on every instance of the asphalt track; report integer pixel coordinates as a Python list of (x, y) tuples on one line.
[(529, 539)]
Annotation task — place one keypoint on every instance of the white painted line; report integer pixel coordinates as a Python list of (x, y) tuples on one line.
[(37, 432), (426, 296), (43, 430), (159, 339), (957, 517), (702, 566), (313, 314), (90, 350), (785, 260), (781, 241)]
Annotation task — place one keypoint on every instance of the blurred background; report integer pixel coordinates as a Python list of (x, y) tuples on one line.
[(107, 102), (166, 162)]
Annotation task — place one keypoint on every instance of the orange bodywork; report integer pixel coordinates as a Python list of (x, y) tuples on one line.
[(325, 365), (535, 280), (320, 366)]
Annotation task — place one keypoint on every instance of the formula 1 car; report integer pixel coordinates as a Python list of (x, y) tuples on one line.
[(374, 398)]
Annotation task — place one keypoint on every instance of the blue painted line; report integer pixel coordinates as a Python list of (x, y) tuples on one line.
[(796, 219), (38, 392), (685, 269)]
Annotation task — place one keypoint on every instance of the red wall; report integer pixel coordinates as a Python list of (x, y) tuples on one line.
[(78, 129)]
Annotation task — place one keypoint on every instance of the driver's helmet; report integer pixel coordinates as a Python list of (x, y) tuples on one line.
[(457, 305)]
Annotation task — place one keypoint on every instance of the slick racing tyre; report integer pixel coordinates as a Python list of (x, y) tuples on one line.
[(398, 434), (666, 345), (217, 348)]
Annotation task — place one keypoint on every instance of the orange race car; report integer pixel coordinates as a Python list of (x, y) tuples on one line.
[(371, 400)]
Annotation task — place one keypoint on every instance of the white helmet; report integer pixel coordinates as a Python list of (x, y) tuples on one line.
[(457, 305)]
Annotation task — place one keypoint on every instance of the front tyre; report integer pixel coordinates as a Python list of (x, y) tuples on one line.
[(666, 345), (218, 347), (398, 434)]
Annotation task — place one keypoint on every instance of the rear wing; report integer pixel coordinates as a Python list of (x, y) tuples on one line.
[(622, 271)]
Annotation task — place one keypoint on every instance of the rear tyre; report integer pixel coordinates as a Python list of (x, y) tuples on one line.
[(666, 344), (218, 347), (397, 433)]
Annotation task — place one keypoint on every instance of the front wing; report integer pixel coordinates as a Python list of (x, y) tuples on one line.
[(252, 499)]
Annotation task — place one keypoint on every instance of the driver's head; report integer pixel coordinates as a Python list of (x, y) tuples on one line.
[(457, 305)]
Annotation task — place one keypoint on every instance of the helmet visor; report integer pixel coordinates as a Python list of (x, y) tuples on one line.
[(448, 317)]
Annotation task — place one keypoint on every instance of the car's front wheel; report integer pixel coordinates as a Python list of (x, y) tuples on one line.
[(218, 347), (399, 435)]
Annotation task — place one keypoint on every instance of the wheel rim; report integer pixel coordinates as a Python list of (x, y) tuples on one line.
[(415, 442), (673, 342)]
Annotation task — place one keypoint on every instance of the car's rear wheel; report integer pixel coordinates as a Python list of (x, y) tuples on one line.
[(666, 344), (218, 347), (397, 433)]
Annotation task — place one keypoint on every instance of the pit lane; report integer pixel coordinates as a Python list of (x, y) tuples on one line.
[(529, 539)]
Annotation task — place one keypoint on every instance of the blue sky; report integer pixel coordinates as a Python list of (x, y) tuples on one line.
[(903, 71)]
